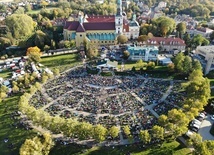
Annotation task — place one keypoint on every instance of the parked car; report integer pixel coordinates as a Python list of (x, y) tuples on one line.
[(212, 117), (195, 121), (189, 133)]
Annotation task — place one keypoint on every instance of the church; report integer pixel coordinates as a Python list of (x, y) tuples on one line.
[(101, 29)]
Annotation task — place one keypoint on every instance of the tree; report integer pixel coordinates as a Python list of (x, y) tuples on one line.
[(181, 28), (139, 63), (187, 65), (126, 130), (199, 40), (178, 61), (41, 39), (165, 25), (37, 145), (150, 65), (28, 7), (44, 4), (196, 65), (15, 89), (171, 67), (142, 38), (157, 132), (99, 133), (126, 54), (56, 71), (20, 25), (122, 39), (114, 131), (20, 10), (163, 120), (4, 42), (84, 131), (34, 54), (187, 39), (145, 136)]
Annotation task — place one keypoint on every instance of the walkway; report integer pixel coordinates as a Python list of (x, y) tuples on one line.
[(84, 113)]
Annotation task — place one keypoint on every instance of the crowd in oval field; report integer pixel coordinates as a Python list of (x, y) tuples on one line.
[(109, 101)]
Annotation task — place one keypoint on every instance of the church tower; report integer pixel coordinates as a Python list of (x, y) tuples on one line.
[(119, 18)]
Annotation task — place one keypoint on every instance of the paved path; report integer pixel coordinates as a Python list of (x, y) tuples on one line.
[(122, 140), (205, 127)]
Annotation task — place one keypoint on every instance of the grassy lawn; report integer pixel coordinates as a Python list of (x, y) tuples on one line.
[(18, 135), (172, 148), (6, 73), (63, 62), (38, 10), (15, 135)]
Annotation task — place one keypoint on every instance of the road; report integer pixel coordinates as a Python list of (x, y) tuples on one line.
[(204, 130)]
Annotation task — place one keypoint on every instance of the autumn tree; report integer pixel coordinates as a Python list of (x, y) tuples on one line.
[(157, 132), (114, 131), (145, 136), (34, 54), (171, 67), (99, 133), (126, 130), (181, 29), (126, 54), (165, 25), (140, 63), (37, 145), (122, 39), (150, 65), (41, 39), (142, 38), (20, 25)]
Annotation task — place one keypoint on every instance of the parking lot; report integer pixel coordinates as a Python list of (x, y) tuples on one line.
[(204, 130)]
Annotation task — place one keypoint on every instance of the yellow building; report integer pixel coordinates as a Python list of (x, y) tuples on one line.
[(97, 29)]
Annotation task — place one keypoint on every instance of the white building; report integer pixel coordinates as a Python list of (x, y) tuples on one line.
[(205, 32), (205, 54), (146, 53), (131, 29)]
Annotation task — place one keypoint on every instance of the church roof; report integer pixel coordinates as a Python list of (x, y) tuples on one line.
[(76, 26), (80, 28), (100, 18), (99, 26)]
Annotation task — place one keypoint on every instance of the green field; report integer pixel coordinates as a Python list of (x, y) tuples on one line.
[(6, 73), (63, 62), (15, 135), (171, 148), (38, 10), (18, 135)]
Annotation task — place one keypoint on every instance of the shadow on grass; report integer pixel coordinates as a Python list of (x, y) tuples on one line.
[(16, 135)]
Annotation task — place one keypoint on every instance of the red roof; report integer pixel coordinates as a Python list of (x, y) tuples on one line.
[(80, 28), (100, 18), (71, 25), (99, 26), (166, 41)]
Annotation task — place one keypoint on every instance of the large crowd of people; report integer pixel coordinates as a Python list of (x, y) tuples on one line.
[(108, 100)]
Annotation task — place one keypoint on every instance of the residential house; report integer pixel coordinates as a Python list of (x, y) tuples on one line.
[(167, 43)]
